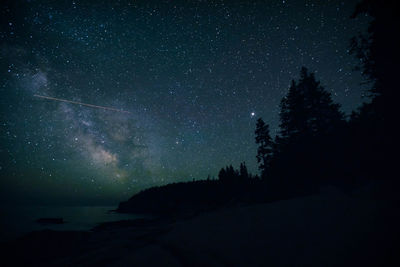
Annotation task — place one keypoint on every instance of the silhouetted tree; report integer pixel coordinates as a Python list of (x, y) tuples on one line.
[(265, 144), (231, 171), (308, 109), (243, 173), (374, 133), (301, 155), (379, 55), (378, 51), (222, 175), (228, 174)]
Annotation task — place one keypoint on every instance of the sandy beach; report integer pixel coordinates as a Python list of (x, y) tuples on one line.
[(328, 229)]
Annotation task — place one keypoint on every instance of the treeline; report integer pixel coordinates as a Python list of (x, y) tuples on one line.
[(195, 196), (316, 144)]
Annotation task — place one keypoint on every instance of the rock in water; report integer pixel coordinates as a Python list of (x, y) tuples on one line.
[(50, 220)]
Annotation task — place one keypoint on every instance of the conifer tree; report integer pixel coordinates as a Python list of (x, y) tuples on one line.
[(222, 175), (378, 50), (308, 109), (265, 144), (243, 173)]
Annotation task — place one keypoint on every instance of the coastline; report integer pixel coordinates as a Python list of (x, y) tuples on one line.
[(318, 230), (18, 220)]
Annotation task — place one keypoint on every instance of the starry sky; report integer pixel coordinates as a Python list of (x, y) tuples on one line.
[(194, 76)]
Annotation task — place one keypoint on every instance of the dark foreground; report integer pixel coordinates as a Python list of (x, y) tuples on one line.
[(328, 229)]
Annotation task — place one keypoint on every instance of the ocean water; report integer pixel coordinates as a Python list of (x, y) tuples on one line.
[(19, 220)]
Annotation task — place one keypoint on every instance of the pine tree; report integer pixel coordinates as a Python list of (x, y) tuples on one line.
[(308, 109), (292, 112), (222, 175), (378, 51), (228, 174), (265, 144), (374, 131), (379, 55), (243, 173)]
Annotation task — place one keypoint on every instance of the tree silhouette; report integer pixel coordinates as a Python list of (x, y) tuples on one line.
[(243, 173), (378, 50), (265, 144), (379, 55), (228, 174), (308, 109), (302, 154), (373, 123), (222, 176)]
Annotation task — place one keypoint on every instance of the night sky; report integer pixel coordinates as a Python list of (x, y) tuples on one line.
[(194, 77)]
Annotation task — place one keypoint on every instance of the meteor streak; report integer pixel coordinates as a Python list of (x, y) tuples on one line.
[(80, 103)]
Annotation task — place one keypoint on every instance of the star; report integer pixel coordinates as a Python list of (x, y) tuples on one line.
[(190, 88)]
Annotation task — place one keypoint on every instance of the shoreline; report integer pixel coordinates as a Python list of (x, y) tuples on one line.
[(330, 229)]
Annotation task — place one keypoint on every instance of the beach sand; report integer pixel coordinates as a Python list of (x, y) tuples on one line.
[(327, 229)]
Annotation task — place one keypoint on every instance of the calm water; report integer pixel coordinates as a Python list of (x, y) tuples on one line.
[(16, 221)]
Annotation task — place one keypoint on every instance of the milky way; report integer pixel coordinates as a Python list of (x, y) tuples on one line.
[(194, 79)]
